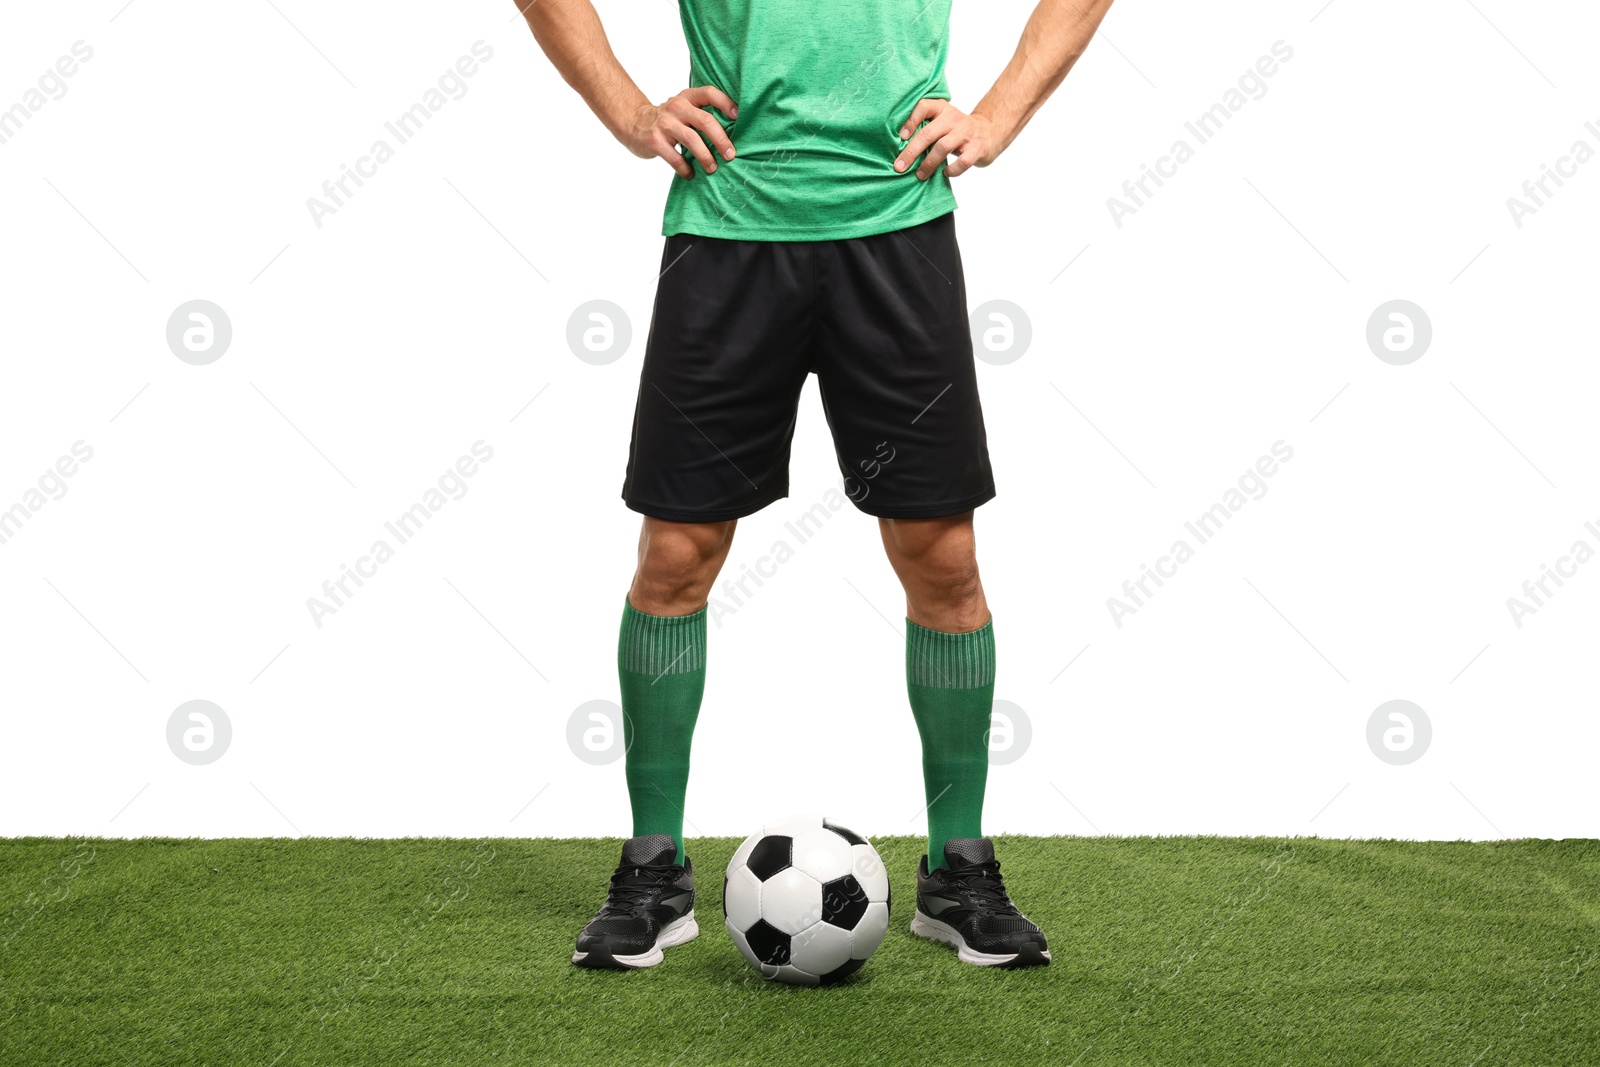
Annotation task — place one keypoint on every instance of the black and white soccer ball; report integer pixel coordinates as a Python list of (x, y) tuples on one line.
[(805, 900)]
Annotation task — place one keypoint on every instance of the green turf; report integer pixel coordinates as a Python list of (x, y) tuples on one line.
[(1167, 951)]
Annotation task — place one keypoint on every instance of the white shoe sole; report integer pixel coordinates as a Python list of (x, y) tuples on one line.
[(677, 932), (934, 930)]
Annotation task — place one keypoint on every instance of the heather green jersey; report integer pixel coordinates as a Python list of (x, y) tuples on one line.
[(823, 89)]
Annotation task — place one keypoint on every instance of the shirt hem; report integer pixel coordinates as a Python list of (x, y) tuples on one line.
[(811, 233)]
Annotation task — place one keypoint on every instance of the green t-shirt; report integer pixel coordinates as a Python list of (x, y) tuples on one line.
[(823, 88)]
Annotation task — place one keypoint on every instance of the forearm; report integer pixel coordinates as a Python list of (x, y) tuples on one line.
[(1057, 33), (570, 34)]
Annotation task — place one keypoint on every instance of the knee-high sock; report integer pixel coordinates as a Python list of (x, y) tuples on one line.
[(661, 662), (950, 680)]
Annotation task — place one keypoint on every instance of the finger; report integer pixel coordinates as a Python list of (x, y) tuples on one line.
[(925, 109), (674, 158), (690, 139), (711, 96), (948, 145), (930, 133), (961, 164), (708, 125)]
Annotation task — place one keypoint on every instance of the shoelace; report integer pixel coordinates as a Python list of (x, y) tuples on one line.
[(637, 886), (982, 883)]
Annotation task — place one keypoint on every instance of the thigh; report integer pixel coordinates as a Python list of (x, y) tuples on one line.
[(895, 366), (720, 386)]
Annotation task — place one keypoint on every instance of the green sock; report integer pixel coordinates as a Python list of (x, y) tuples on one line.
[(661, 661), (950, 679)]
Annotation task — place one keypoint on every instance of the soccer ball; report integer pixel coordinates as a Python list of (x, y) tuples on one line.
[(806, 901)]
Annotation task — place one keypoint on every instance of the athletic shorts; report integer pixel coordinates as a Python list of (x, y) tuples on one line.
[(738, 325)]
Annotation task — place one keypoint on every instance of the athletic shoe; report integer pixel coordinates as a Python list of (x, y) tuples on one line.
[(965, 905), (649, 907)]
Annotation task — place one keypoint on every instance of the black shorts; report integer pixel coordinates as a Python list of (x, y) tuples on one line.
[(881, 321)]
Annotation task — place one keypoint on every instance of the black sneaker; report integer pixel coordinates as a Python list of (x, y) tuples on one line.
[(649, 907), (965, 905)]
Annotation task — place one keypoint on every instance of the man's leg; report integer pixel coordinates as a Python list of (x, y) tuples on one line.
[(949, 668), (961, 899), (661, 663), (728, 353), (898, 382)]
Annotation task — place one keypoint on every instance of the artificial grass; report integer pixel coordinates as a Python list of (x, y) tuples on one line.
[(282, 953)]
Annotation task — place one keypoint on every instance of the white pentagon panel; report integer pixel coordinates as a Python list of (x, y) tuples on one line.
[(791, 900), (742, 853), (868, 934), (822, 854), (792, 825), (820, 949), (742, 899), (868, 868), (789, 974)]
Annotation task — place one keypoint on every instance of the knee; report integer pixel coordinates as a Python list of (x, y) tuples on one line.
[(947, 587), (943, 590), (677, 565)]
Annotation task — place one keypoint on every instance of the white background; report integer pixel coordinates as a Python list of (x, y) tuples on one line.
[(368, 354)]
